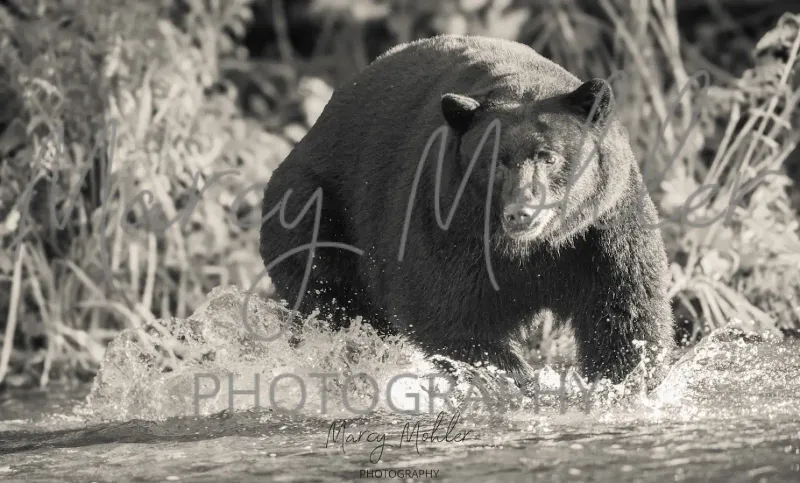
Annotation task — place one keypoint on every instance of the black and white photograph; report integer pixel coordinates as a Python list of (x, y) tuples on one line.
[(400, 240)]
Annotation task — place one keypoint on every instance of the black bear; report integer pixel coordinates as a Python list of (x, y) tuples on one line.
[(457, 240)]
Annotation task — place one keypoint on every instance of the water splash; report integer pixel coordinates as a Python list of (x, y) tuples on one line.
[(728, 407), (208, 362)]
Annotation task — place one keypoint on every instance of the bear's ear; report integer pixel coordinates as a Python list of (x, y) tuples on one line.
[(584, 97), (459, 110)]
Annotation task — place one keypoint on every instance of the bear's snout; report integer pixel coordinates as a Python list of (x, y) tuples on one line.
[(519, 215), (521, 219)]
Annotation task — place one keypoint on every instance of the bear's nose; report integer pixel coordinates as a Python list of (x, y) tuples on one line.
[(518, 215)]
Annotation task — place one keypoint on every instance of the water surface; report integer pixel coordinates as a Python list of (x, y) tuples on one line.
[(728, 411)]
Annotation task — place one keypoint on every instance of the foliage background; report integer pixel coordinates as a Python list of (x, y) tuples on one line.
[(198, 87)]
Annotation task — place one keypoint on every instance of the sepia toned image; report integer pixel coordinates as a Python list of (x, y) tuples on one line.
[(404, 240)]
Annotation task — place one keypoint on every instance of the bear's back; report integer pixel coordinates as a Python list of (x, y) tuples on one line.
[(394, 104), (475, 64)]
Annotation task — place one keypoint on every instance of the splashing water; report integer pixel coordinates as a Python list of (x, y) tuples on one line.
[(204, 400)]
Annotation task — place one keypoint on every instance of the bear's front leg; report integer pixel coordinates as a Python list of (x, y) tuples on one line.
[(624, 295), (606, 334)]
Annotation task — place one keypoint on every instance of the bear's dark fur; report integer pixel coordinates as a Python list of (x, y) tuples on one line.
[(593, 263)]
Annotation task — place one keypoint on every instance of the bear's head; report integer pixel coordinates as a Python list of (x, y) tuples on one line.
[(561, 162)]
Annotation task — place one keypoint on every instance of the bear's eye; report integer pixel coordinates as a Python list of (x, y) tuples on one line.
[(545, 156)]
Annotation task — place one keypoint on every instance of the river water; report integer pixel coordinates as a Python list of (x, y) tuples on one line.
[(162, 409)]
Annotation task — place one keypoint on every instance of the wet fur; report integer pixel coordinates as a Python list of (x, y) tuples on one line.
[(364, 151)]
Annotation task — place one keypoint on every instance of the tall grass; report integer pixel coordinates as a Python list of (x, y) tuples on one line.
[(152, 85)]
